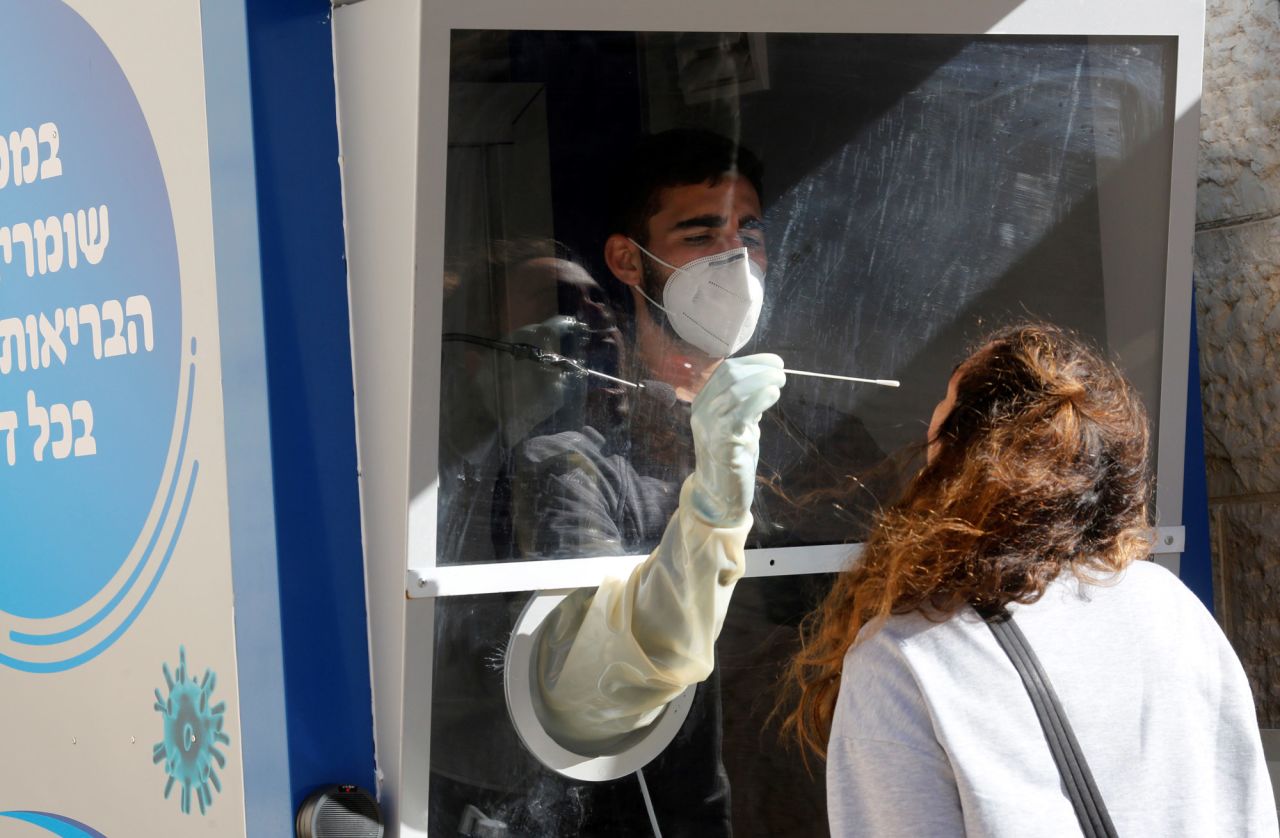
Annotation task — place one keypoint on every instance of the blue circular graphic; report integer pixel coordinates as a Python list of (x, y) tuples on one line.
[(89, 284), (60, 825)]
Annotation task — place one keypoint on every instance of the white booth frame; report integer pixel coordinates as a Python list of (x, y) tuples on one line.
[(392, 70)]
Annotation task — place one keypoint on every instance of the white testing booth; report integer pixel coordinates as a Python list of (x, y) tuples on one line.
[(927, 172)]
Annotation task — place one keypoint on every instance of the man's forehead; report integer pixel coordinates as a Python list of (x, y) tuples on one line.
[(730, 194)]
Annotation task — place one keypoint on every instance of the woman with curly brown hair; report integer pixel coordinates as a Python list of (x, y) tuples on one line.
[(1033, 504)]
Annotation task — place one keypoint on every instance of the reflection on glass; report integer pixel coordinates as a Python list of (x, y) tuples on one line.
[(912, 192), (917, 190), (481, 773)]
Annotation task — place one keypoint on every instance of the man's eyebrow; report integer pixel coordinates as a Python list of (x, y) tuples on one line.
[(751, 222), (709, 220)]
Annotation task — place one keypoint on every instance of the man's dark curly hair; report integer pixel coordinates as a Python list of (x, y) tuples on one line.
[(678, 157)]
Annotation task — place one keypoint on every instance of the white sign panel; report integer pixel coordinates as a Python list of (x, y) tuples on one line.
[(117, 657)]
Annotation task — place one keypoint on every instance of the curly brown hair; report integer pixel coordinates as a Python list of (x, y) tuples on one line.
[(1040, 466)]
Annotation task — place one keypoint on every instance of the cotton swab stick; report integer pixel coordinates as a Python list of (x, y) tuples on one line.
[(883, 382)]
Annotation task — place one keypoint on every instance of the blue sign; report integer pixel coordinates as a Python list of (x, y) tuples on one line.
[(94, 402)]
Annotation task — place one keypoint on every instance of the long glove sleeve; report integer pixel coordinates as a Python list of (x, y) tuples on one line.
[(611, 659)]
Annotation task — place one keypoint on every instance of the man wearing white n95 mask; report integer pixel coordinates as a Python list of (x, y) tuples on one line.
[(615, 658), (687, 249), (611, 659)]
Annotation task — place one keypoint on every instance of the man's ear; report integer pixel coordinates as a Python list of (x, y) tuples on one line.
[(623, 259)]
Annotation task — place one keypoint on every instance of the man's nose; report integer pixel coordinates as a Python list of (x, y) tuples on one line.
[(734, 240)]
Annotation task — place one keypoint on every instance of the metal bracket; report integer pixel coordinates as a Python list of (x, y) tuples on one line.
[(563, 574), (1169, 540)]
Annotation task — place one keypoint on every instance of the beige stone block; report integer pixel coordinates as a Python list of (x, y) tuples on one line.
[(1246, 555), (1237, 280), (1240, 111)]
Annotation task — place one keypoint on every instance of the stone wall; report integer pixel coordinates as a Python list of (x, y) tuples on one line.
[(1237, 279)]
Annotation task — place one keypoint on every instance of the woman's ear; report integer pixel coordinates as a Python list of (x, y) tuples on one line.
[(623, 259)]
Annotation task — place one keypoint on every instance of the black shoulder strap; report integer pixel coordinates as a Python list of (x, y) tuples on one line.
[(1092, 813)]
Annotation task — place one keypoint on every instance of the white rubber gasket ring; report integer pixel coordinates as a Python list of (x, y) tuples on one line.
[(635, 750)]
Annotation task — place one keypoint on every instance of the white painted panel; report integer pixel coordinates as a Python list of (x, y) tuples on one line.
[(376, 48)]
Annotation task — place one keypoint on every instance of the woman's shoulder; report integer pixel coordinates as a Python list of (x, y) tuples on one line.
[(894, 640), (1143, 591), (1150, 574), (1141, 582), (880, 694)]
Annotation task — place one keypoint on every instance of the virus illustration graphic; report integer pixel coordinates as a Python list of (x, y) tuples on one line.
[(192, 732)]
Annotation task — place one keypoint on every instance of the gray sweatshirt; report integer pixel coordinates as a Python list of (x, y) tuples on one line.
[(934, 734)]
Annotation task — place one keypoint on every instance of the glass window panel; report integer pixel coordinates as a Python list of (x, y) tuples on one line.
[(480, 771), (917, 190)]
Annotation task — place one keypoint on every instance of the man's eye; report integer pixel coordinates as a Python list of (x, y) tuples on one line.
[(753, 240), (700, 239)]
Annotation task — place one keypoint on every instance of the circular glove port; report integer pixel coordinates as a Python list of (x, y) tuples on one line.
[(614, 759)]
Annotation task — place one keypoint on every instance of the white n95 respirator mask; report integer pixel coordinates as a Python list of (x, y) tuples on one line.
[(713, 303)]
